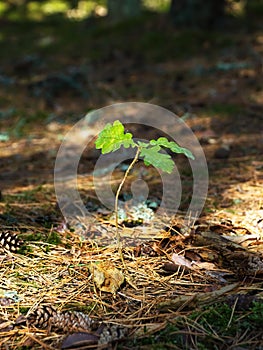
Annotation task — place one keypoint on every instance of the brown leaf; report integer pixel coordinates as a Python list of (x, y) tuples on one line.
[(171, 267), (204, 265), (78, 340), (181, 260), (241, 239), (193, 256), (107, 277)]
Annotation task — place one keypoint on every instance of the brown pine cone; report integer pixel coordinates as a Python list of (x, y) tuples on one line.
[(73, 321), (10, 241), (68, 321), (42, 316)]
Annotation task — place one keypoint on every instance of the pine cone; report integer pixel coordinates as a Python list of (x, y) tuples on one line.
[(73, 321), (10, 241), (47, 316), (42, 317), (111, 333)]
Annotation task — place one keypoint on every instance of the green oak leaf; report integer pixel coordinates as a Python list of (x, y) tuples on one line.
[(174, 147), (143, 144), (112, 137), (153, 156)]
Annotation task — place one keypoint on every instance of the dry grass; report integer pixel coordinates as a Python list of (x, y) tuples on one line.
[(59, 275)]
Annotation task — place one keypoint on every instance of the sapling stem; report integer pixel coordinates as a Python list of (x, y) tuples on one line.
[(118, 193), (113, 136)]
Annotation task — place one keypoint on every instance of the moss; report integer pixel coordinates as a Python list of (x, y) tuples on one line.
[(161, 340), (210, 327), (81, 307), (255, 317), (24, 196), (34, 237), (216, 318), (25, 250), (53, 238), (23, 310), (223, 109)]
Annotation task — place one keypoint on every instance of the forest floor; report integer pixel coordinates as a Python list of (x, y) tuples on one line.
[(197, 287)]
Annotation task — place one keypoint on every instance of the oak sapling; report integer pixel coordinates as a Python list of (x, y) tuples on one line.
[(113, 137)]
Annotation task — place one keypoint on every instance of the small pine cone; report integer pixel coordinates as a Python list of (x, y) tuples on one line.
[(111, 333), (73, 321), (42, 317), (10, 241)]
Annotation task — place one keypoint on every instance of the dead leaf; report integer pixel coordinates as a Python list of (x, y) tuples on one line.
[(77, 340), (218, 275), (204, 265), (181, 260), (241, 239), (107, 277), (171, 267)]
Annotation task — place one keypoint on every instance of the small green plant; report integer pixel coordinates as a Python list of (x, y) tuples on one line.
[(113, 137)]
